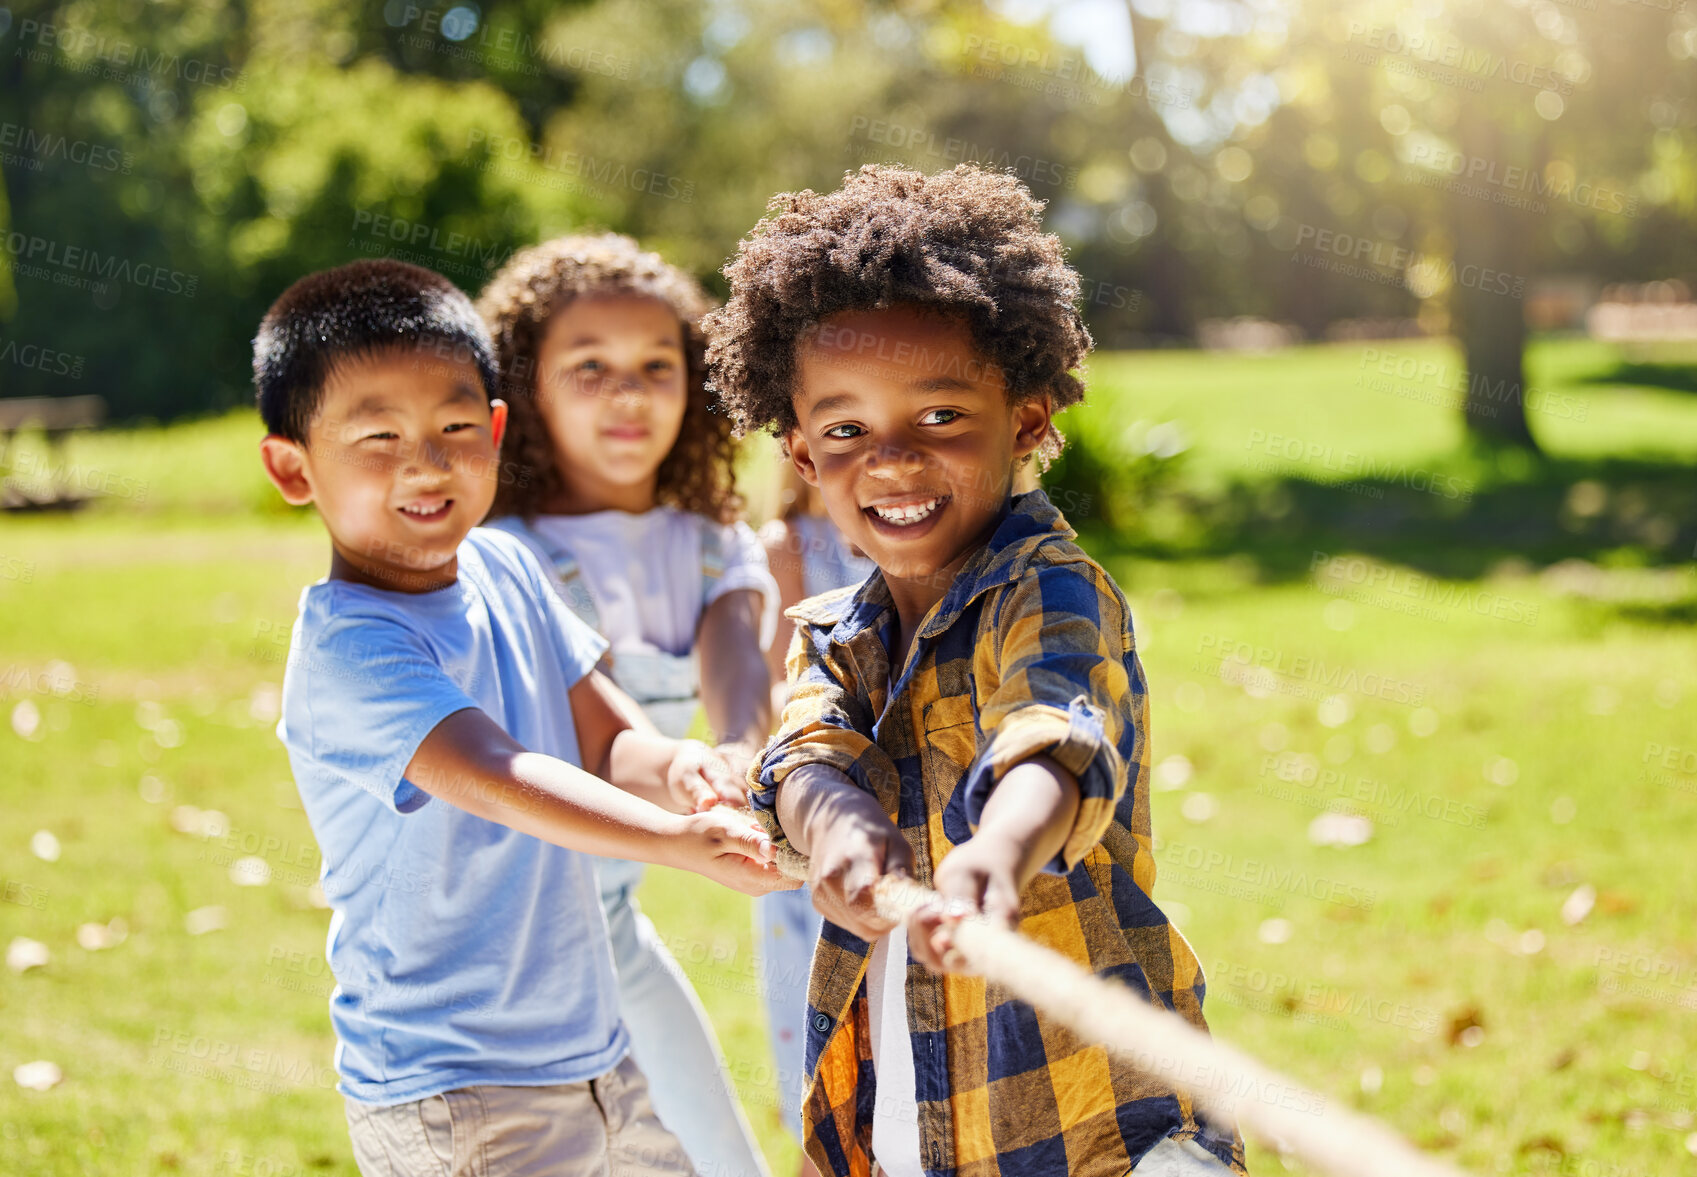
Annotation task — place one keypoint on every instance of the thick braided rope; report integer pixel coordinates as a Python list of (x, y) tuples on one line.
[(1222, 1080)]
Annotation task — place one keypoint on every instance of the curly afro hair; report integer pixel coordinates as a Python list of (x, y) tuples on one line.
[(698, 473), (966, 242)]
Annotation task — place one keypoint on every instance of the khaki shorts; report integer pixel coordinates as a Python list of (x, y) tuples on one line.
[(601, 1127)]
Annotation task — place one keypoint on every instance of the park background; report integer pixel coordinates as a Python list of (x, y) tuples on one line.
[(1391, 441)]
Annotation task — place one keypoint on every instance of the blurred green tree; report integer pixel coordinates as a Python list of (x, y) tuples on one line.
[(1493, 143), (248, 143), (224, 147)]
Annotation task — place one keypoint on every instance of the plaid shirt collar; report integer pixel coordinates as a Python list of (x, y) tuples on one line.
[(1027, 522)]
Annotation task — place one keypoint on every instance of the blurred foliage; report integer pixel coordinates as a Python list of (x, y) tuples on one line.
[(208, 152), (1127, 478)]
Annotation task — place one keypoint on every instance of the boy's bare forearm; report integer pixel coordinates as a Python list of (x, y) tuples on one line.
[(1029, 815), (850, 842), (1025, 824), (815, 796), (468, 761)]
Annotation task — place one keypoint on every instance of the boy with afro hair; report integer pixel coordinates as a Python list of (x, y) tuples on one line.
[(973, 714)]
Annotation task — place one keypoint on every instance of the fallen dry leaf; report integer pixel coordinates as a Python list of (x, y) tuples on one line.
[(23, 954), (39, 1075)]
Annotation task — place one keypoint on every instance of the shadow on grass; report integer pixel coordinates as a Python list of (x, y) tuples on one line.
[(1452, 523), (1657, 613), (1648, 374)]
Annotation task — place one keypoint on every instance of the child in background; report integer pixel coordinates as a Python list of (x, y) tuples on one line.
[(808, 556), (437, 705), (974, 714), (622, 481)]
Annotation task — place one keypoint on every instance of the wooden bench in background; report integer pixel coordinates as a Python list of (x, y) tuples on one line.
[(56, 417)]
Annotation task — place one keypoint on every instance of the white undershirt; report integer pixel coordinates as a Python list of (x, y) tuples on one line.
[(895, 1110)]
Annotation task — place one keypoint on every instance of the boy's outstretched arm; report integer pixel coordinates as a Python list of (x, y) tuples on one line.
[(1025, 824), (470, 762), (817, 786), (1064, 715)]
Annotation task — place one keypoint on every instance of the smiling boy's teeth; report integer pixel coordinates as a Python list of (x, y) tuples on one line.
[(907, 512), (419, 509)]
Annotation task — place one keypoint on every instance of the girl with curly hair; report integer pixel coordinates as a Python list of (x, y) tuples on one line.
[(619, 474)]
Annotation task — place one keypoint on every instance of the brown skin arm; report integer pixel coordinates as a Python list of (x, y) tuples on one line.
[(1025, 824), (468, 761), (735, 683), (786, 566), (851, 843), (849, 840)]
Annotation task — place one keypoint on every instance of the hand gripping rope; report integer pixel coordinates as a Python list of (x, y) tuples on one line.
[(1220, 1079)]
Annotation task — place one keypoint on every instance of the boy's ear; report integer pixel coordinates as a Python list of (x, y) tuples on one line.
[(1031, 420), (285, 466), (497, 422), (800, 458)]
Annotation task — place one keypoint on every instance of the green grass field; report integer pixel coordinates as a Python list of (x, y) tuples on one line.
[(1505, 970)]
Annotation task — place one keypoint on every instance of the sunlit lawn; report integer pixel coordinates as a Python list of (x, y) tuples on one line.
[(1506, 969)]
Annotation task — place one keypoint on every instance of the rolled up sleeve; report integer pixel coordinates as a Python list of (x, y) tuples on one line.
[(826, 721), (1069, 687)]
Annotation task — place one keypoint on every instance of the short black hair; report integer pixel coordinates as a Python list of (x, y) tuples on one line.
[(351, 312), (966, 242)]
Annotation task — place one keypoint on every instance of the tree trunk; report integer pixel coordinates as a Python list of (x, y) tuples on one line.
[(1491, 257)]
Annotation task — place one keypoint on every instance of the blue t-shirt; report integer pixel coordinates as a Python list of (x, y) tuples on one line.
[(464, 952)]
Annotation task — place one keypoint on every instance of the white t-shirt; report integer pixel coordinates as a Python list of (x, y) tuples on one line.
[(895, 1109), (644, 573)]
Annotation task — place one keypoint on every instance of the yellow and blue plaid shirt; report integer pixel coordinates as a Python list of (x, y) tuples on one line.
[(1029, 652)]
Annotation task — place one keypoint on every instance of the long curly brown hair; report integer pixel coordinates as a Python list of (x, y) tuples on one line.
[(698, 474), (967, 242)]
